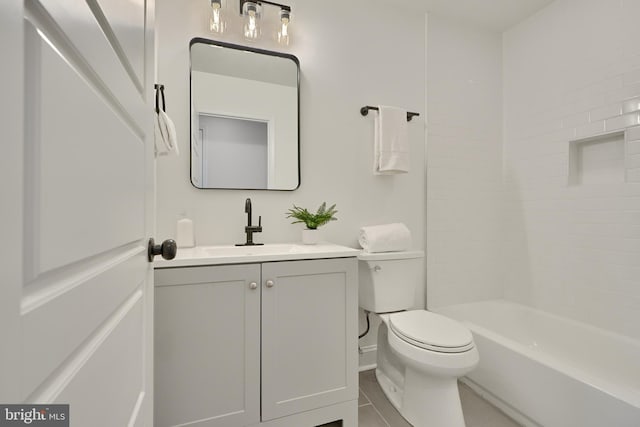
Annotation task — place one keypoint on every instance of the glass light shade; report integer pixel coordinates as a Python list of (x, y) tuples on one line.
[(283, 31), (251, 14), (217, 24)]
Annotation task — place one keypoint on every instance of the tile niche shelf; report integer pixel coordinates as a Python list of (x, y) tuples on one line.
[(597, 160)]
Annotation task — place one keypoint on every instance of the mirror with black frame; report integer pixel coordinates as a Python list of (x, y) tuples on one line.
[(244, 117)]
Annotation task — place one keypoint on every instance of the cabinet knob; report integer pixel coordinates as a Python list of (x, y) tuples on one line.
[(253, 285), (269, 283)]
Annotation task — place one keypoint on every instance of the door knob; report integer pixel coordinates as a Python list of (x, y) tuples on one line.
[(269, 283), (253, 285), (167, 249)]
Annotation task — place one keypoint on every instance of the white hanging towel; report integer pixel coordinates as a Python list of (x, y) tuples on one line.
[(166, 141), (385, 238), (391, 142)]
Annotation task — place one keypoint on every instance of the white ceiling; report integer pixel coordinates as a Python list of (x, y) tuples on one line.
[(497, 15)]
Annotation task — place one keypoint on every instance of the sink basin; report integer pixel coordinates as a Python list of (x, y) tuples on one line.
[(231, 254), (232, 251)]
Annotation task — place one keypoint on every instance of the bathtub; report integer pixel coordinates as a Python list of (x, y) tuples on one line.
[(545, 370)]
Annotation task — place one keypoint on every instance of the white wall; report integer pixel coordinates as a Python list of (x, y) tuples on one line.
[(351, 54), (573, 71), (464, 163)]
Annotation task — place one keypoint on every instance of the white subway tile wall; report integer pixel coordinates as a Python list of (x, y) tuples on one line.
[(573, 249), (632, 155), (605, 112), (504, 219), (464, 163)]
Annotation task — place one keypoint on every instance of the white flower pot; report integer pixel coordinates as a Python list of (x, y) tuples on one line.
[(310, 237)]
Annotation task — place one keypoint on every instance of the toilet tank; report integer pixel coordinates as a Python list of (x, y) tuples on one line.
[(388, 280)]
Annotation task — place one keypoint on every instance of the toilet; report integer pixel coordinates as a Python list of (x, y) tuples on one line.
[(420, 354)]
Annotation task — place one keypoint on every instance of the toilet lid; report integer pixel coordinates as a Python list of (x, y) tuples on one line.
[(431, 331)]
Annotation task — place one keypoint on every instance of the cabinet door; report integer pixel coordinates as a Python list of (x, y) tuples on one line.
[(207, 346), (309, 335)]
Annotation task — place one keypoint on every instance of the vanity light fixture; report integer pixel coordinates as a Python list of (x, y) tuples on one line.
[(251, 12), (217, 24)]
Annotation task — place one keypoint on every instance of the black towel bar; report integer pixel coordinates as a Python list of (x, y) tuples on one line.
[(365, 110)]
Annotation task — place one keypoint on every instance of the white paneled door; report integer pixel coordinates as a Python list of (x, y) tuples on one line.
[(76, 166)]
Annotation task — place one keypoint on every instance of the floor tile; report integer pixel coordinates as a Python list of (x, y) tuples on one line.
[(362, 399), (369, 417), (370, 387), (480, 413), (477, 411)]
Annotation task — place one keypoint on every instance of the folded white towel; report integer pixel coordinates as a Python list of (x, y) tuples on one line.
[(391, 143), (385, 238), (166, 141)]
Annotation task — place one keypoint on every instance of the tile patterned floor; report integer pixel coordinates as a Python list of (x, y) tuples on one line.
[(374, 410)]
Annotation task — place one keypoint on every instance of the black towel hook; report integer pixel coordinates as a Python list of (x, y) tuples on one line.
[(160, 91)]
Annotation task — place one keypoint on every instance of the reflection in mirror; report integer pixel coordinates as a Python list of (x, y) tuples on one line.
[(244, 117)]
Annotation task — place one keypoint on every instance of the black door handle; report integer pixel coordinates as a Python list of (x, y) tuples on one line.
[(167, 249)]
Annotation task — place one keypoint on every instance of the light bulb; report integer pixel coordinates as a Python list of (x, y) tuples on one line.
[(283, 33), (216, 23), (251, 21)]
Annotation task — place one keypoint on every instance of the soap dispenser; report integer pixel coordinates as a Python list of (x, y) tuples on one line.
[(184, 233)]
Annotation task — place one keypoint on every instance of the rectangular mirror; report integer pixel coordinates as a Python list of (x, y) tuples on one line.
[(244, 117)]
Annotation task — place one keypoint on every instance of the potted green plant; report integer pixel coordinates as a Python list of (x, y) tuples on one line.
[(322, 216)]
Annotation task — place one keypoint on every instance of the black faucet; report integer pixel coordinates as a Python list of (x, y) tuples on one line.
[(250, 229)]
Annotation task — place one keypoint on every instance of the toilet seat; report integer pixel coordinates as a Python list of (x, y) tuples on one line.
[(431, 331)]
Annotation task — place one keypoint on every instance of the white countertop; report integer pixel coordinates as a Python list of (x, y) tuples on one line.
[(230, 254)]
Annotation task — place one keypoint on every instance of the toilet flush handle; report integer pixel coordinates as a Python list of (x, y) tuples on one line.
[(377, 268)]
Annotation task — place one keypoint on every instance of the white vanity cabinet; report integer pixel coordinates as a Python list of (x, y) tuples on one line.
[(207, 346), (309, 335), (272, 344)]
